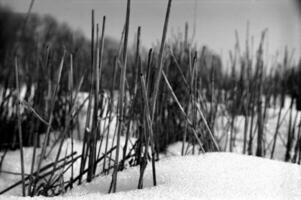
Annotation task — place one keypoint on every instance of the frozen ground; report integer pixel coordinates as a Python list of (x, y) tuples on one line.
[(207, 176)]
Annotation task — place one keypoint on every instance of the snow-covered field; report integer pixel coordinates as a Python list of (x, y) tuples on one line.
[(206, 176)]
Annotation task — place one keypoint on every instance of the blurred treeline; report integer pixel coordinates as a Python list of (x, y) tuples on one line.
[(43, 40)]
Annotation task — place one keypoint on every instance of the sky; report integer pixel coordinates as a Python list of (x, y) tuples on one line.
[(215, 20)]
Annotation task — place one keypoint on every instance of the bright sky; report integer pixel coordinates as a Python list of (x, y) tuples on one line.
[(216, 20)]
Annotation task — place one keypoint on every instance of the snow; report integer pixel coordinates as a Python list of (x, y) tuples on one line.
[(205, 176)]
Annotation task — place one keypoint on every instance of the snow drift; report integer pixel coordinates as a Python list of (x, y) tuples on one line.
[(207, 176)]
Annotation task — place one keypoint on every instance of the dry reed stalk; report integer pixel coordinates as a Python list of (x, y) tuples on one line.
[(247, 102), (290, 134), (143, 136), (146, 118), (100, 65), (20, 126), (160, 63), (134, 85), (121, 98), (53, 100), (87, 132), (77, 178), (252, 107), (35, 174), (179, 69), (150, 129), (260, 117), (70, 88), (110, 110), (95, 128), (182, 110), (34, 112), (297, 149), (33, 159)]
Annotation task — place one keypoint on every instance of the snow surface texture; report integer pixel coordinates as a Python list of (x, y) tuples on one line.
[(12, 162), (207, 176)]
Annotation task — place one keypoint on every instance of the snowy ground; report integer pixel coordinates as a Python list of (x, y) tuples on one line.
[(207, 176)]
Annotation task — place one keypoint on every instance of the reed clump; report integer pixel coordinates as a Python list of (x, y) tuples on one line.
[(174, 92)]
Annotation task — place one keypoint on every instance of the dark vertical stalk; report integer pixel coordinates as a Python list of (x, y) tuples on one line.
[(100, 62), (135, 87), (70, 87), (160, 63), (149, 126), (290, 134), (260, 117), (121, 98), (20, 126), (87, 133)]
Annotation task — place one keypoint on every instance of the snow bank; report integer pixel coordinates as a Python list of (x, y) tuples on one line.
[(207, 176), (12, 162)]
